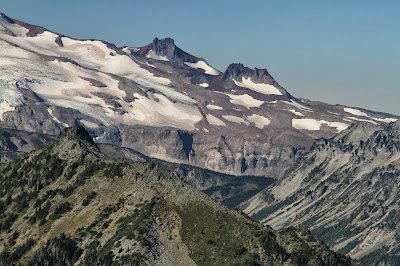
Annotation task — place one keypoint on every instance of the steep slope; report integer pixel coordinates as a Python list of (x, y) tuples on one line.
[(161, 101), (14, 143), (228, 189), (346, 190), (69, 203)]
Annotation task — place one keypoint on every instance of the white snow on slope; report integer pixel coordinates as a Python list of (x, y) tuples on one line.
[(151, 54), (259, 121), (203, 65), (312, 124), (294, 112), (214, 107), (244, 100), (214, 120), (55, 118), (235, 119), (298, 106), (360, 113), (91, 54), (355, 112), (386, 120), (204, 85), (5, 107), (15, 28), (162, 112), (258, 87), (362, 120)]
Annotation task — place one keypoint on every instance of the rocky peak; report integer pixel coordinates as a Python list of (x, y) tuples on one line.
[(237, 70), (166, 47), (76, 137)]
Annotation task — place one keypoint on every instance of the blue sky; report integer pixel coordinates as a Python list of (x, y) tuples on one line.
[(345, 52)]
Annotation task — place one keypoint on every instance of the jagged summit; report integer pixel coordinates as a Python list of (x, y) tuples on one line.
[(166, 47), (76, 133), (238, 70), (76, 137)]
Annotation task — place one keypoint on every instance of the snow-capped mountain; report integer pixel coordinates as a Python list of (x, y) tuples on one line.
[(160, 101)]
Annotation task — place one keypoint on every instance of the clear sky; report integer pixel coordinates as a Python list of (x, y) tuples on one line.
[(345, 52)]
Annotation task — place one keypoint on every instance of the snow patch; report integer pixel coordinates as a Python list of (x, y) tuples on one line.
[(203, 65), (355, 112), (298, 106), (5, 107), (244, 100), (312, 124), (214, 120), (55, 118), (259, 121), (204, 85), (360, 113), (151, 54), (235, 119), (362, 120), (294, 112), (258, 87), (214, 107)]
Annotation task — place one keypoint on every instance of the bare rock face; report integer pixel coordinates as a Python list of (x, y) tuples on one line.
[(14, 143), (346, 190), (226, 154)]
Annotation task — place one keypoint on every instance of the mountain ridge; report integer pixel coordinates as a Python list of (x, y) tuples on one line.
[(345, 190), (70, 205)]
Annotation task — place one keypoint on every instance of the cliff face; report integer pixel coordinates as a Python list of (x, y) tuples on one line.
[(346, 190), (226, 154)]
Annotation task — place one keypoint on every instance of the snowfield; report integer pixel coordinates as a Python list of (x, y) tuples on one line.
[(244, 100), (258, 87), (259, 121), (203, 65), (360, 113), (313, 124), (214, 120)]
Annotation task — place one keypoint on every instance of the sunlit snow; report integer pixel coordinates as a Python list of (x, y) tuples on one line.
[(258, 87), (244, 100), (5, 107), (204, 85), (203, 65), (259, 121), (214, 107), (312, 124), (360, 113), (235, 119), (151, 54), (214, 120)]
